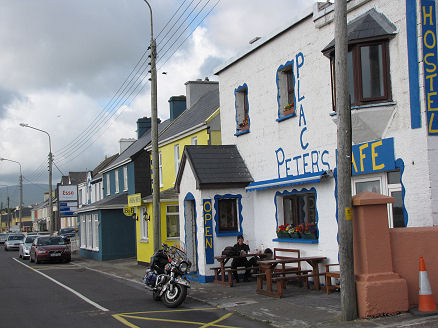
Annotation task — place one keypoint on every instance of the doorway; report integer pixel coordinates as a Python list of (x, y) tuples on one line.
[(191, 237)]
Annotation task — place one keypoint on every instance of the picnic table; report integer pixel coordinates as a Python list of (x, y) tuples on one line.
[(223, 274), (267, 268)]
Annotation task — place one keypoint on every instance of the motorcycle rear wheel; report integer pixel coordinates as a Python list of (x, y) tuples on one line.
[(175, 298)]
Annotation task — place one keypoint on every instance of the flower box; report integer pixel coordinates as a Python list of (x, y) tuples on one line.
[(309, 235), (295, 235), (289, 111), (283, 234), (244, 128)]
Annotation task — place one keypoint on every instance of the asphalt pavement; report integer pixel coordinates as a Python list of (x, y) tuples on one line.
[(300, 307)]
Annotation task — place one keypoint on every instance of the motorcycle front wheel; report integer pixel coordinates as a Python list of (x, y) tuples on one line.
[(174, 298)]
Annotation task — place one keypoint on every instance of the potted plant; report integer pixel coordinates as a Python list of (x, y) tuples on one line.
[(288, 109), (294, 232), (244, 126), (310, 231), (283, 231)]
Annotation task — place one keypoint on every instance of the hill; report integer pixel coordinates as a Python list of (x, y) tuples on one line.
[(32, 194)]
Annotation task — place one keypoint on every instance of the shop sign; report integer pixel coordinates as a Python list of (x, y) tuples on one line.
[(208, 231), (373, 156), (428, 24), (134, 200), (128, 211)]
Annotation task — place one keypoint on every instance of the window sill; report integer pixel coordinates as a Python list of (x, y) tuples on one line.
[(296, 241), (228, 234), (90, 249), (384, 104), (241, 132), (283, 118), (144, 241)]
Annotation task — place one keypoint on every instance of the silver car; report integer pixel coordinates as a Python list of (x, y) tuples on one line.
[(24, 248), (3, 237), (14, 241)]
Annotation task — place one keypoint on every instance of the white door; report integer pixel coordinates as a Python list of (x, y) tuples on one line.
[(189, 208)]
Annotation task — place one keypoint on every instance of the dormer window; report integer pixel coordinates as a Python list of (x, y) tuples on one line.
[(242, 109)]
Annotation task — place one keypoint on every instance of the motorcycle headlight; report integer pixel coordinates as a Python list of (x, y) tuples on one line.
[(184, 267)]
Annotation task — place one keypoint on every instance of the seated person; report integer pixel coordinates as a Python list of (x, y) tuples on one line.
[(242, 249)]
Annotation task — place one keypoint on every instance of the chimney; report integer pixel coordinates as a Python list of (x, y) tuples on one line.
[(177, 105), (144, 124), (125, 143), (197, 89)]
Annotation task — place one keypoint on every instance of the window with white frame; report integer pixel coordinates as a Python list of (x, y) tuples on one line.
[(80, 197), (389, 184), (176, 158), (160, 166), (285, 89), (89, 231), (83, 231), (125, 178), (194, 140), (172, 220), (116, 178), (108, 189), (95, 219), (143, 224), (242, 109)]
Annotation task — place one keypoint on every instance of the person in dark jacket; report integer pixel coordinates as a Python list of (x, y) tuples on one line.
[(242, 249)]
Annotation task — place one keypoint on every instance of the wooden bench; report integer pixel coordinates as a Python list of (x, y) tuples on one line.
[(328, 278), (229, 273)]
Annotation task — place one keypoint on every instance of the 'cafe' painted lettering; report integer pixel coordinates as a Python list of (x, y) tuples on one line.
[(373, 156)]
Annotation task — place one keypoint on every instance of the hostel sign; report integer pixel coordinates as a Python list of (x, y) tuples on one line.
[(208, 231), (428, 24)]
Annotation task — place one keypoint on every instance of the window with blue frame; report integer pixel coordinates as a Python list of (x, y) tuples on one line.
[(242, 109), (285, 91)]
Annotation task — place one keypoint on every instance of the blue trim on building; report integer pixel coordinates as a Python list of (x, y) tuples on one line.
[(190, 196), (239, 213), (239, 89), (297, 192), (290, 64), (199, 278), (401, 165), (414, 83)]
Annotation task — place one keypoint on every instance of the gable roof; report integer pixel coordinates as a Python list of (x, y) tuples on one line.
[(102, 165), (370, 24), (77, 177), (117, 201), (137, 146), (194, 116), (215, 166)]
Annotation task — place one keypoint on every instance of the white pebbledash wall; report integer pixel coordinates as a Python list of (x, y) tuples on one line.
[(257, 69)]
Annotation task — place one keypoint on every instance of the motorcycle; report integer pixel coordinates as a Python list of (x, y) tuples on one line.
[(165, 277)]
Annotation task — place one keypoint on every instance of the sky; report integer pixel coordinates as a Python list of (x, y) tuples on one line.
[(70, 68)]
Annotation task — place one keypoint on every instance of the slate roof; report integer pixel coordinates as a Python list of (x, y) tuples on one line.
[(117, 201), (77, 177), (138, 145), (168, 194), (193, 116), (215, 166), (371, 24), (102, 165)]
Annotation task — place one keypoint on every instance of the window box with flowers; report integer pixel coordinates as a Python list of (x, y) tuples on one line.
[(295, 232), (283, 231), (244, 126), (310, 231), (288, 110)]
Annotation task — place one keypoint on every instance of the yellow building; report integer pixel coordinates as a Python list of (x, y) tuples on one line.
[(199, 124)]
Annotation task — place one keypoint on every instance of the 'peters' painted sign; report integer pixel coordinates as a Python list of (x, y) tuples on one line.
[(208, 232), (373, 156), (428, 24)]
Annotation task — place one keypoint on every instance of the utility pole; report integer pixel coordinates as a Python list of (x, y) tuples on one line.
[(345, 225), (52, 219), (154, 117), (9, 216), (21, 188)]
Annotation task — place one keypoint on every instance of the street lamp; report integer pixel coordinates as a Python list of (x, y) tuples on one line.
[(155, 171), (21, 189), (52, 221)]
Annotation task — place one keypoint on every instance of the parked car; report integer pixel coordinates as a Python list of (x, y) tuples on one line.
[(3, 237), (13, 241), (50, 248), (67, 232), (24, 248)]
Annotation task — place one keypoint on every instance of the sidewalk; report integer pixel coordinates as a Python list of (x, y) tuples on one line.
[(299, 308)]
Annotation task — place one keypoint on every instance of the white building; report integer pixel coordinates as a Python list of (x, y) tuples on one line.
[(290, 155)]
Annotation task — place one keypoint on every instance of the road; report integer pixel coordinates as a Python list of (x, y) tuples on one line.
[(68, 295)]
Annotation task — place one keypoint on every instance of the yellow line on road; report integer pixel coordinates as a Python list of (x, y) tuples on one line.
[(175, 321), (213, 323), (124, 321)]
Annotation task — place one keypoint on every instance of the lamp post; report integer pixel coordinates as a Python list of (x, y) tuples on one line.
[(155, 171), (52, 221), (21, 190)]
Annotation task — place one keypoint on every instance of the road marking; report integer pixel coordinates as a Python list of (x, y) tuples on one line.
[(122, 317), (84, 298)]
